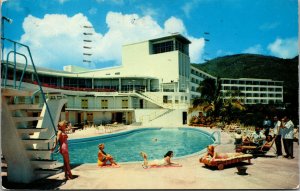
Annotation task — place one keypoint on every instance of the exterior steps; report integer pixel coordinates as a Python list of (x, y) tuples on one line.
[(15, 92), (24, 119), (3, 167), (35, 141), (37, 151), (23, 107), (49, 172), (31, 130), (45, 163), (165, 113)]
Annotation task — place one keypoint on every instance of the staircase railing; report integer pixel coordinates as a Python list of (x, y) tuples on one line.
[(21, 79), (217, 137)]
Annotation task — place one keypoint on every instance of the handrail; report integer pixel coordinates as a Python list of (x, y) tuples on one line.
[(218, 138), (35, 73), (6, 66)]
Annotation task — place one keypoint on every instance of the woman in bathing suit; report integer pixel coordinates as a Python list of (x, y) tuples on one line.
[(62, 138), (211, 153), (166, 161), (103, 157)]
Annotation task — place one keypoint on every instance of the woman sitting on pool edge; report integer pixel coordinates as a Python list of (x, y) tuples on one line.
[(103, 157), (214, 155), (166, 161)]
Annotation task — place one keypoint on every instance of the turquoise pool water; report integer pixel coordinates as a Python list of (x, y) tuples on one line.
[(126, 146)]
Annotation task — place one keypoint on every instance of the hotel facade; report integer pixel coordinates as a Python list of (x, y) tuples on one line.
[(154, 83)]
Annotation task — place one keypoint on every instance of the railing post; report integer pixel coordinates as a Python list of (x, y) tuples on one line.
[(15, 65)]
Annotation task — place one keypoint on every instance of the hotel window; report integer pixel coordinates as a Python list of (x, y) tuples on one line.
[(104, 104), (163, 47), (36, 99), (84, 103), (124, 103), (90, 117), (176, 99), (263, 89)]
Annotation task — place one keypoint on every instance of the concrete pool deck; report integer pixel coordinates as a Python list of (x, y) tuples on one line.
[(267, 172)]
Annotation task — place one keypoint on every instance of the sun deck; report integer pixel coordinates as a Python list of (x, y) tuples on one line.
[(263, 173)]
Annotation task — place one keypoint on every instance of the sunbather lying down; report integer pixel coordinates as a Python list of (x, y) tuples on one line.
[(166, 161), (211, 153), (221, 159)]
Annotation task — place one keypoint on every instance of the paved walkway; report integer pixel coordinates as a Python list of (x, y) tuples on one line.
[(266, 172)]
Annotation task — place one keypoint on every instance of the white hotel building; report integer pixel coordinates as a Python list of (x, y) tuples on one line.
[(154, 84)]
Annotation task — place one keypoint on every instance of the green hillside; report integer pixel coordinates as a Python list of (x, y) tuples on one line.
[(257, 66)]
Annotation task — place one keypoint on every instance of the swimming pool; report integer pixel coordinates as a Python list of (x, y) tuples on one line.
[(126, 146)]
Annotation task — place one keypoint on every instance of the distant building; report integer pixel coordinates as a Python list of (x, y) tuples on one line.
[(252, 91)]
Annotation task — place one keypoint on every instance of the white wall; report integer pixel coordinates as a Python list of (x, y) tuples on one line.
[(136, 58)]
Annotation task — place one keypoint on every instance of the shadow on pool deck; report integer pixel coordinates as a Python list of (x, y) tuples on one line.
[(42, 184)]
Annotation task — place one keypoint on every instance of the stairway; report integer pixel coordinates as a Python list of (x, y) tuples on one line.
[(155, 101), (161, 115), (25, 147)]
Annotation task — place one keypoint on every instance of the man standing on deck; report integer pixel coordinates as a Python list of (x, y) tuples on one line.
[(277, 134), (287, 127)]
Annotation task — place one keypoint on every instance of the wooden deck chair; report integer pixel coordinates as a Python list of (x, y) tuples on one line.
[(261, 149), (221, 163)]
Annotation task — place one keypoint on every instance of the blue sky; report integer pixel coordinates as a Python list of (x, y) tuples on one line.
[(54, 29)]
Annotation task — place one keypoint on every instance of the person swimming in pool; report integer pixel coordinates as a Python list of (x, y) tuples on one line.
[(211, 153), (103, 158), (166, 161)]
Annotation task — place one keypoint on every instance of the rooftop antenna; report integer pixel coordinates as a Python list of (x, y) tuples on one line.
[(206, 40), (87, 44)]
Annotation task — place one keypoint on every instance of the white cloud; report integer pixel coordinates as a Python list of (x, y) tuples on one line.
[(196, 49), (256, 49), (188, 6), (174, 25), (284, 48), (57, 40)]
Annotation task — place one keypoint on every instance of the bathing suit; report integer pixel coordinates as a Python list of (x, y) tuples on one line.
[(63, 141), (101, 161), (161, 162)]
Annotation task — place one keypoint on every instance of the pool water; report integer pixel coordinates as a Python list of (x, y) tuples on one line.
[(125, 147)]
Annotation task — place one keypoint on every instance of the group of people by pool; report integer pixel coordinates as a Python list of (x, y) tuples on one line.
[(283, 129), (280, 130), (104, 159)]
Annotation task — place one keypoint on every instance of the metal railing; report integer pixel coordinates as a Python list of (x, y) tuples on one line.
[(15, 53), (217, 137)]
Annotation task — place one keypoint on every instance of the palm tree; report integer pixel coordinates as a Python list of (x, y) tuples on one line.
[(208, 90)]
